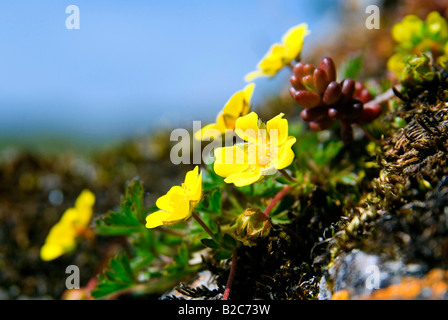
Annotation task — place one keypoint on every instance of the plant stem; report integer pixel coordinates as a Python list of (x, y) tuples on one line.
[(203, 225), (290, 66), (231, 276), (276, 199), (385, 96), (287, 175), (172, 232), (368, 134)]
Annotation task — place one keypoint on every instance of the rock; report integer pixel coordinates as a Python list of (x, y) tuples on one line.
[(360, 274)]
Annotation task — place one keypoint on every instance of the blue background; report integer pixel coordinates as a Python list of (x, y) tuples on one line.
[(135, 65)]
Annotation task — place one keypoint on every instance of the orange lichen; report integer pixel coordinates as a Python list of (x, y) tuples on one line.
[(435, 282), (341, 295)]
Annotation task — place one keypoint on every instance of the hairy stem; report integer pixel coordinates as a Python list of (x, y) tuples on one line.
[(368, 135), (287, 175), (276, 199), (203, 225), (231, 276)]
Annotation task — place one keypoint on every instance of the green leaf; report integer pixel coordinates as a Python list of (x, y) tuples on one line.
[(210, 179), (325, 152), (131, 216), (211, 202), (180, 261), (267, 188), (222, 254), (229, 241), (117, 278), (210, 243), (351, 68)]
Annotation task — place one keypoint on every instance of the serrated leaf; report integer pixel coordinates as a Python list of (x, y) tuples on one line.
[(134, 200), (118, 277), (180, 261), (131, 216)]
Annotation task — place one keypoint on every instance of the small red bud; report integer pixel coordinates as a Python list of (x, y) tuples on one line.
[(332, 93), (295, 82), (305, 99), (321, 124), (320, 80), (348, 88), (328, 66), (314, 114), (369, 113)]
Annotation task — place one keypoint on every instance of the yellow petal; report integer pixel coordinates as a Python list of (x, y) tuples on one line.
[(193, 182), (70, 216), (191, 178), (277, 128), (286, 154), (181, 209), (60, 240), (157, 219), (251, 76), (248, 92), (238, 105), (293, 41), (246, 128), (273, 60), (50, 252), (245, 178), (85, 199), (167, 201), (209, 132), (234, 106), (230, 160), (197, 191)]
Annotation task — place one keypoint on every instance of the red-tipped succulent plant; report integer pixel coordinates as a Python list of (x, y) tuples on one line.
[(325, 100)]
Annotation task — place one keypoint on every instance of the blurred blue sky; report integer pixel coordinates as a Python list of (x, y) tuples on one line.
[(134, 65)]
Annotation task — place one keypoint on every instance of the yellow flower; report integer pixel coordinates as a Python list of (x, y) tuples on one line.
[(396, 63), (238, 105), (410, 29), (63, 235), (267, 148), (281, 54), (179, 202), (437, 26)]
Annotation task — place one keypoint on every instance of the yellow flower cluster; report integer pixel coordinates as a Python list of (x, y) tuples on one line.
[(74, 222), (281, 54), (266, 147), (414, 36)]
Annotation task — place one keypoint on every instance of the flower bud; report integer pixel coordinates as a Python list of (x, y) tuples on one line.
[(252, 225)]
